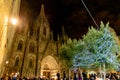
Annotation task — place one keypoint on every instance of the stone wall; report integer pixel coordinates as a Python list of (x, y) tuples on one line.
[(4, 12), (6, 7)]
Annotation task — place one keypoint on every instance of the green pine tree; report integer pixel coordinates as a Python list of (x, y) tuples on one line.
[(100, 48)]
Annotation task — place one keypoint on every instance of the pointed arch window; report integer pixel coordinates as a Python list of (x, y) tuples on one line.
[(37, 33), (44, 31), (31, 31), (20, 45), (17, 61), (30, 63), (46, 67), (32, 47)]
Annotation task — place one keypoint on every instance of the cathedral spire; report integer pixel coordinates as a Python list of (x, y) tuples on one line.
[(63, 30), (42, 12), (43, 24), (52, 35), (64, 35)]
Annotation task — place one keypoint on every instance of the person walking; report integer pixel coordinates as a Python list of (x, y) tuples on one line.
[(58, 76), (64, 75)]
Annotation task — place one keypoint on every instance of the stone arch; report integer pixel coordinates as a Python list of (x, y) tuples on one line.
[(49, 67), (31, 32), (30, 67), (20, 45), (30, 64), (17, 61), (32, 47), (45, 31)]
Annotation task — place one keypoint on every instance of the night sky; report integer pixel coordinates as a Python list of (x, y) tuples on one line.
[(72, 14)]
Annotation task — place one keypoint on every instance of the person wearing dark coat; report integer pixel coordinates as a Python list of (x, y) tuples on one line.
[(64, 76), (58, 76)]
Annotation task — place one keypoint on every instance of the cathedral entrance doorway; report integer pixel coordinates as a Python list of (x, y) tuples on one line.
[(49, 67)]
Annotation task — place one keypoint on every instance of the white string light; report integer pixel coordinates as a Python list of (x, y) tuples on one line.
[(90, 14)]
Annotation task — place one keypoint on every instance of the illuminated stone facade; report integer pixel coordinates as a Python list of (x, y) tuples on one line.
[(7, 9), (4, 11), (34, 52)]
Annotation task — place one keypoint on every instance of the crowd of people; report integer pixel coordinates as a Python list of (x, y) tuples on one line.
[(76, 76), (92, 76)]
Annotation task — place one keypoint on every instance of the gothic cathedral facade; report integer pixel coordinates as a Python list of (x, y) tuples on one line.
[(33, 51)]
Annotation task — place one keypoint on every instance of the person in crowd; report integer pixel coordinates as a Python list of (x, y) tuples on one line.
[(64, 75), (79, 76), (75, 76), (58, 76)]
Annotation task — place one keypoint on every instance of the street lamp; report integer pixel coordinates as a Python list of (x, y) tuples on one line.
[(13, 21), (6, 63), (9, 31), (6, 29)]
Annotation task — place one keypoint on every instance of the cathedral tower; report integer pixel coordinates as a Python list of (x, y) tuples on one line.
[(33, 53)]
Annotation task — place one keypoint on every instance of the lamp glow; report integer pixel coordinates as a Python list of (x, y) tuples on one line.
[(14, 21), (7, 62)]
